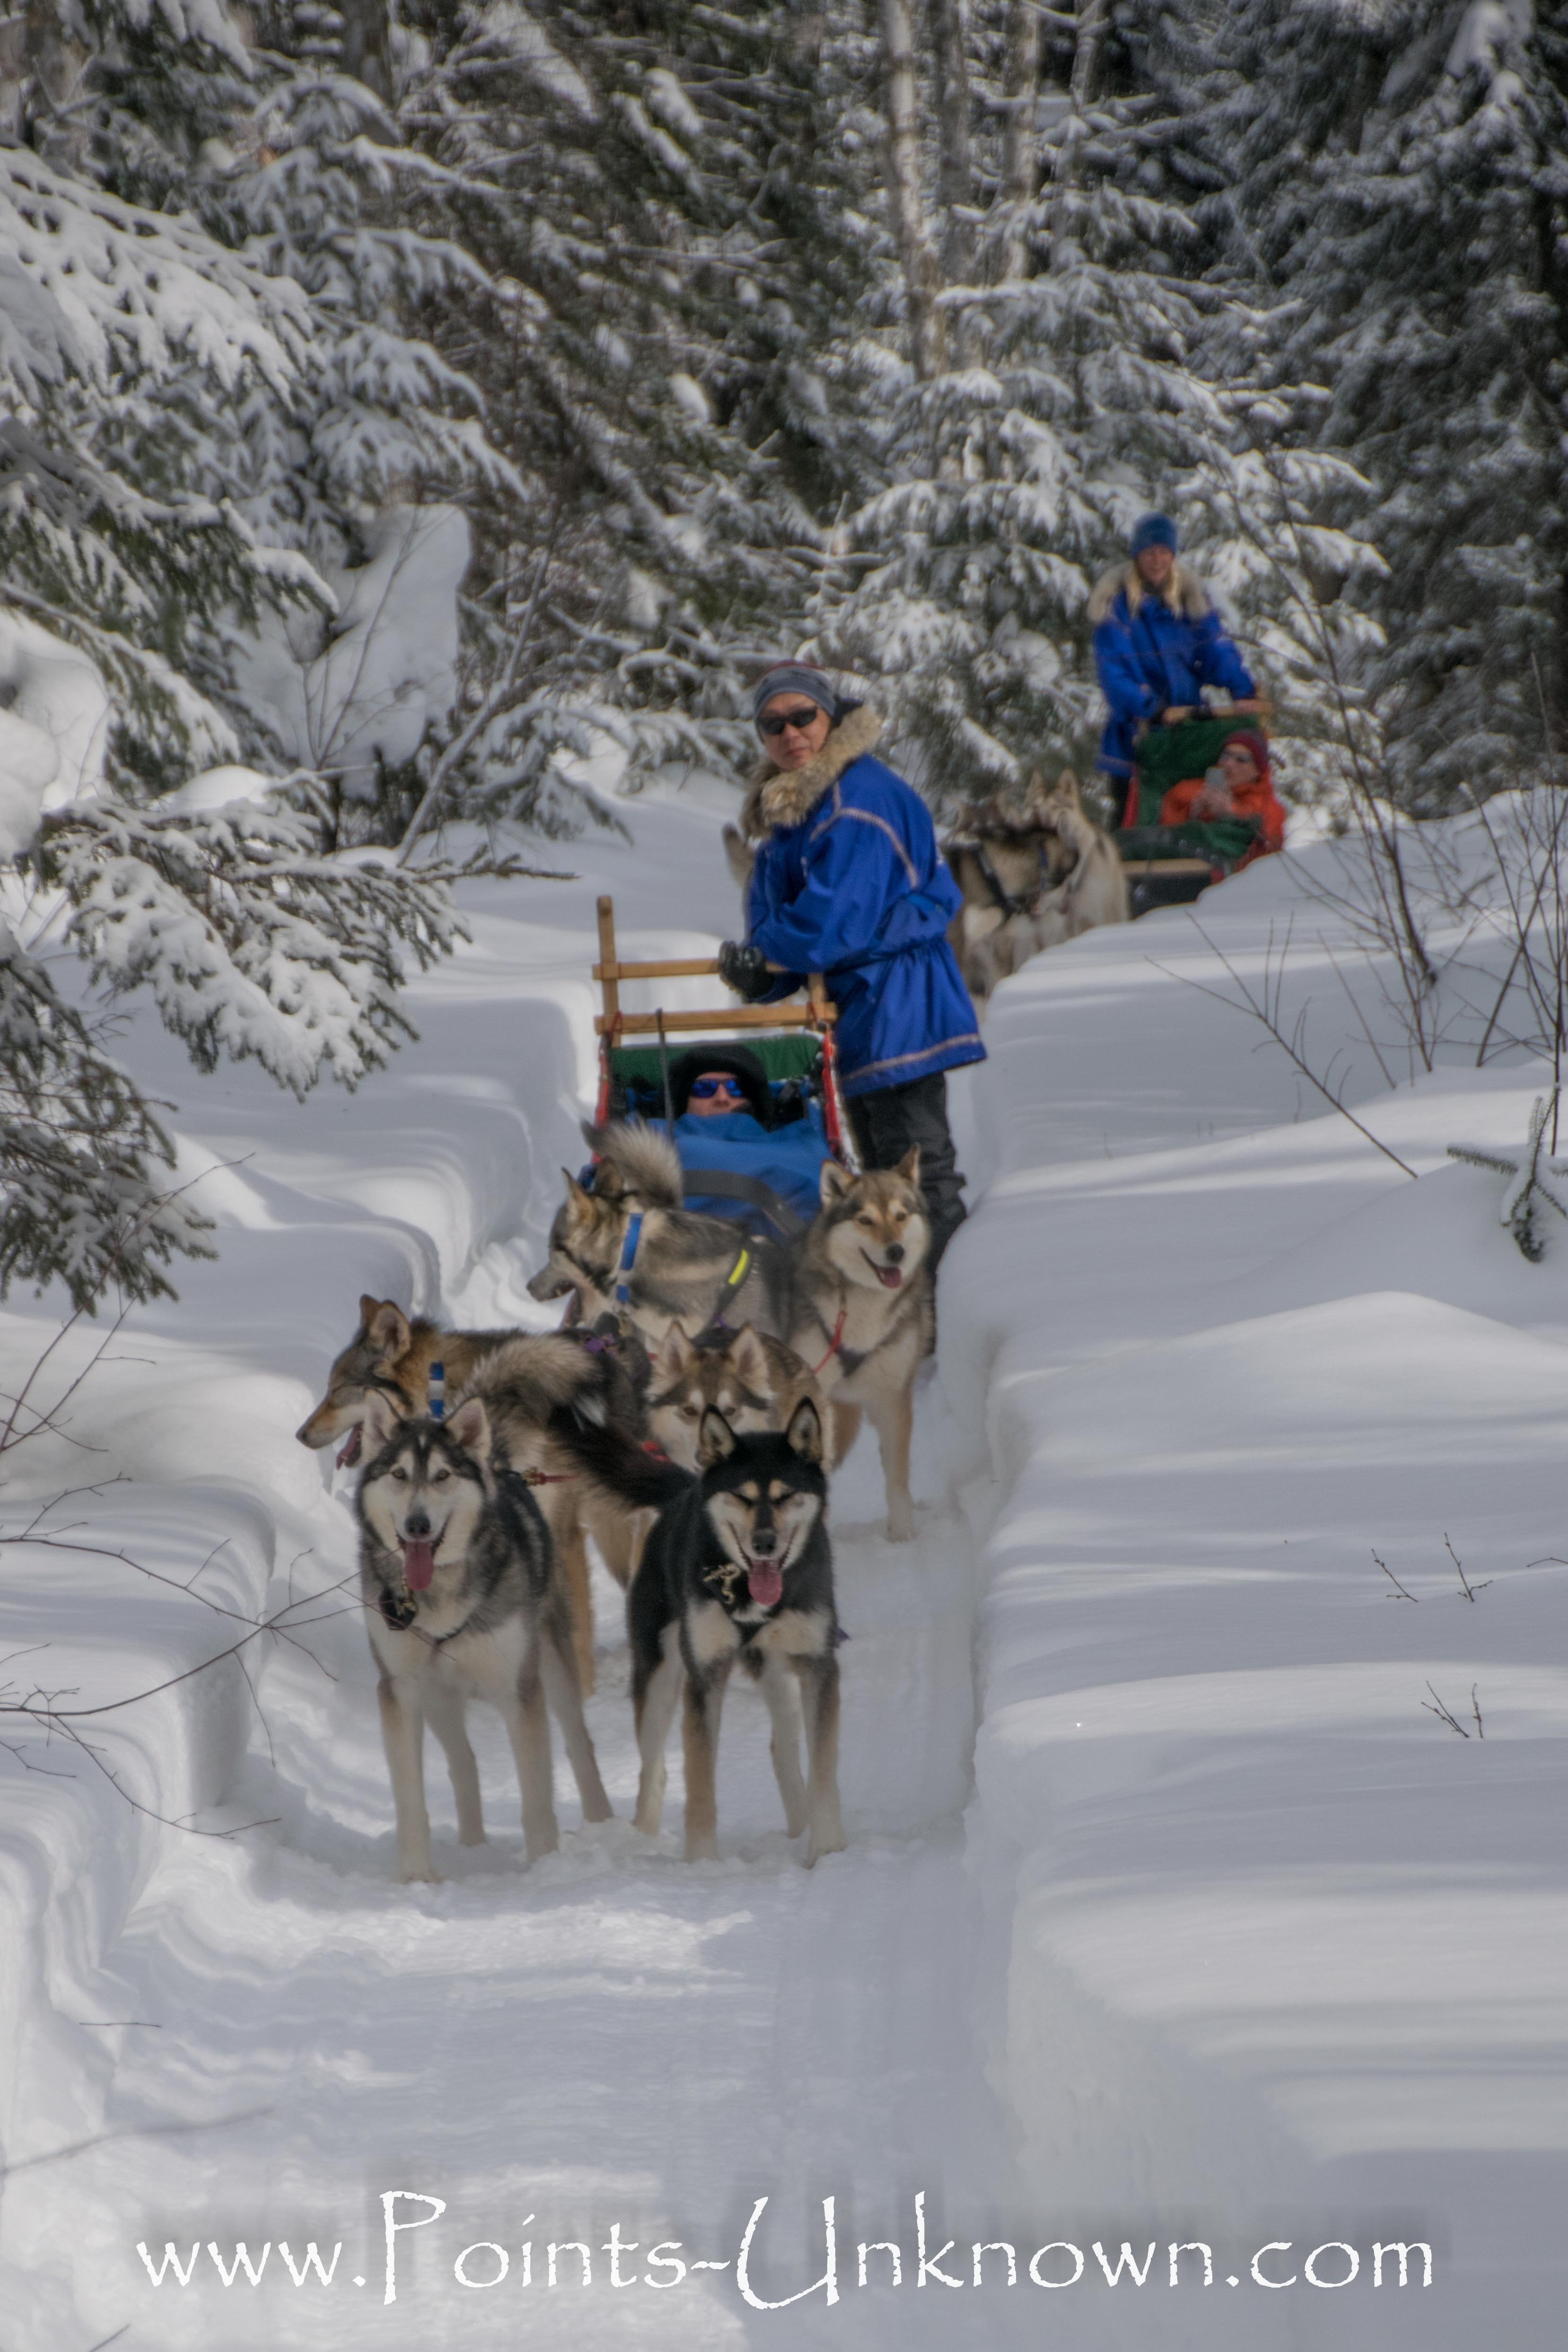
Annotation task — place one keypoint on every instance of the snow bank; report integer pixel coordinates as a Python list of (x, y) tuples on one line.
[(1272, 1951)]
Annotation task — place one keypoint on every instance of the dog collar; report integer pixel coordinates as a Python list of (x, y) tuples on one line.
[(629, 1259)]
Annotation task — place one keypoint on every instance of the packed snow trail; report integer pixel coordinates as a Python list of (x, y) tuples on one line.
[(614, 2037)]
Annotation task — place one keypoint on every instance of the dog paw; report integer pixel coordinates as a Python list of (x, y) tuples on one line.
[(901, 1523), (703, 1849), (426, 1877), (816, 1847)]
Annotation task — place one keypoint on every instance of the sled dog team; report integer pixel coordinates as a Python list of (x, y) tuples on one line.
[(686, 1420)]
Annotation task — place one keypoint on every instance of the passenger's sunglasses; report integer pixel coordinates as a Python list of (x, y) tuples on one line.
[(706, 1088), (806, 715)]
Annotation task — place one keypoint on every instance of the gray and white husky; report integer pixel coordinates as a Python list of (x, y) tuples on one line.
[(685, 1268), (463, 1599)]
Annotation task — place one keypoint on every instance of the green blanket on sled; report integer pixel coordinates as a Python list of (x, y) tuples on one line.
[(1170, 755)]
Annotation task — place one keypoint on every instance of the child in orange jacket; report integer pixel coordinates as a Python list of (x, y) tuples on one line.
[(1247, 790)]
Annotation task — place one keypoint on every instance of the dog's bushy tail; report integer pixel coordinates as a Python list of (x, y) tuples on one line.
[(645, 1161), (612, 1459)]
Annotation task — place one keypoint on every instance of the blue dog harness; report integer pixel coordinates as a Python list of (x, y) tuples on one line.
[(629, 1259)]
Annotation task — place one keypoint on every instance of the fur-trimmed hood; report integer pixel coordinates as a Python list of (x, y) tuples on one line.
[(780, 797), (1183, 591)]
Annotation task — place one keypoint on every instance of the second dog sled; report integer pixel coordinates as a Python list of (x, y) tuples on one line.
[(794, 1042), (1169, 865)]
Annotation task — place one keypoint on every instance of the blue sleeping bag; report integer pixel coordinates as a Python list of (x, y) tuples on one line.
[(788, 1161)]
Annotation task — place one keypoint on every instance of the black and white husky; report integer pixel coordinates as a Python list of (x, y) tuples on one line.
[(738, 1570), (463, 1599)]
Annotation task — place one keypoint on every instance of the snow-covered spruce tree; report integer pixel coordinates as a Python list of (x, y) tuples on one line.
[(662, 217), (1393, 187), (1083, 382), (124, 331), (1010, 476)]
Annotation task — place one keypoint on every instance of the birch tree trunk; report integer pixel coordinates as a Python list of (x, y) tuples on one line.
[(916, 255), (955, 177), (1020, 143)]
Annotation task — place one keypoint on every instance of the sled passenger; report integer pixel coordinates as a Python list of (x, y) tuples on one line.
[(848, 882), (1158, 642), (1244, 788), (728, 1124)]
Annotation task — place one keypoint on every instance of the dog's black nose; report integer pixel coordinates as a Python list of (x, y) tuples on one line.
[(417, 1524), (764, 1542), (894, 1253)]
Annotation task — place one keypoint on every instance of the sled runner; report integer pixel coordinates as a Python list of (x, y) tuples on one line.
[(795, 1043)]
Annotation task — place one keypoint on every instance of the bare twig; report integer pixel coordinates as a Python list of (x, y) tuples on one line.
[(1445, 1714), (1266, 1013), (1471, 1589), (131, 2131), (1399, 1592)]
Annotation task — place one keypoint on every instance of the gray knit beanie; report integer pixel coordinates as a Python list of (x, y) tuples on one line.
[(795, 678)]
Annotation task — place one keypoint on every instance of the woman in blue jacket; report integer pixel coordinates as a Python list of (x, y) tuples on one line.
[(1158, 642), (848, 882)]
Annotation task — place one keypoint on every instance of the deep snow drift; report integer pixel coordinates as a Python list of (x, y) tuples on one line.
[(1208, 1933)]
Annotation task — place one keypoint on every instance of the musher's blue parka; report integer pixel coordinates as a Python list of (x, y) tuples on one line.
[(848, 882), (1154, 650)]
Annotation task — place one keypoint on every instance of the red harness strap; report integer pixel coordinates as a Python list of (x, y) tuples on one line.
[(835, 1343)]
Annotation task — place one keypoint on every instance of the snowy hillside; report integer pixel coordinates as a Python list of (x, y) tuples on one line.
[(1168, 1916)]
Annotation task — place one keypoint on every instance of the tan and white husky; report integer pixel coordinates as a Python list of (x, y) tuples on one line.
[(752, 1379), (862, 1312), (1031, 877)]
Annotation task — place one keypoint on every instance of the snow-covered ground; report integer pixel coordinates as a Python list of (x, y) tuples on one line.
[(1168, 1914)]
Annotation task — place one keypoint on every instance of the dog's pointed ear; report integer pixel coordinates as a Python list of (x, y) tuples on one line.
[(675, 1353), (749, 1360), (834, 1182), (381, 1417), (715, 1439), (1068, 788), (367, 1307), (909, 1165), (805, 1432), (576, 1197), (469, 1427), (388, 1330)]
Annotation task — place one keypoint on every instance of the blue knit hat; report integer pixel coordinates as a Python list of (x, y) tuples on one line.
[(1156, 531), (796, 677)]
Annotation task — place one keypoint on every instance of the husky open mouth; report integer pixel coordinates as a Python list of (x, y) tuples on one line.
[(418, 1563), (765, 1583), (349, 1452), (889, 1276)]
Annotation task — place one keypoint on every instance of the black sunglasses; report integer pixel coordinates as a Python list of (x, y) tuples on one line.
[(800, 720)]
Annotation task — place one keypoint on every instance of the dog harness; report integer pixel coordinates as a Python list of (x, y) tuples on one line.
[(850, 1357), (399, 1613), (732, 1280), (992, 880), (629, 1259)]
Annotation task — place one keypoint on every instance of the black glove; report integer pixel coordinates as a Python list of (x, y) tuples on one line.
[(745, 969)]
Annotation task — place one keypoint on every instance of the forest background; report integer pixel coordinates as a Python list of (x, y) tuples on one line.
[(400, 404)]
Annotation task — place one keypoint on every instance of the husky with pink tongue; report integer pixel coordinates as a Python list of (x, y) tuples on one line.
[(464, 1600), (737, 1572)]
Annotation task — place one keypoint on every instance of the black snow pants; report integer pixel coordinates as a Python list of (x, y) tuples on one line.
[(889, 1123)]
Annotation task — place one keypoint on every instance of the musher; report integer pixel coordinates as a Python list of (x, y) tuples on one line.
[(1158, 642), (848, 882)]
